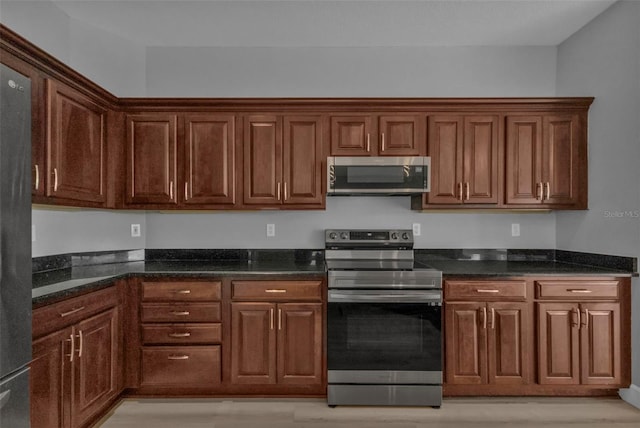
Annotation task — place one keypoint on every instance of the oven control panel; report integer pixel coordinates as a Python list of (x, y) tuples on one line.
[(369, 236)]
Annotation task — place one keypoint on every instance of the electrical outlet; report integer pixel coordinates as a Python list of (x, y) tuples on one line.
[(33, 233), (515, 229), (271, 230), (416, 229), (135, 230)]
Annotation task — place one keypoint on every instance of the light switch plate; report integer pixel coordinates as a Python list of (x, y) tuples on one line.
[(515, 229), (135, 230)]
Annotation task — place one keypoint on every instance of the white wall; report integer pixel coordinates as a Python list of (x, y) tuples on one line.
[(60, 231), (116, 64), (40, 22), (305, 229), (603, 60), (351, 72)]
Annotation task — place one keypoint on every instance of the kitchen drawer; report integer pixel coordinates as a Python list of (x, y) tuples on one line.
[(181, 291), (181, 366), (180, 312), (485, 290), (577, 290), (164, 334), (47, 319), (277, 290)]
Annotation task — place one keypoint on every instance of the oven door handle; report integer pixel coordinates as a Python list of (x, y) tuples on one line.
[(382, 297)]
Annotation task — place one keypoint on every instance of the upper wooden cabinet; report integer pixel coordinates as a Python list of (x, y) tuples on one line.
[(464, 153), (151, 164), (283, 160), (546, 161), (76, 152), (209, 159), (376, 135)]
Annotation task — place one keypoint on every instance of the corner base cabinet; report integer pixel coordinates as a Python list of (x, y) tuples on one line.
[(75, 371)]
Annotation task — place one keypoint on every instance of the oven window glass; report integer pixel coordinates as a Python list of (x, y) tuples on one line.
[(368, 174), (384, 336)]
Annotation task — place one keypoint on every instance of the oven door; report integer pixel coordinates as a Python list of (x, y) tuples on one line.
[(384, 336)]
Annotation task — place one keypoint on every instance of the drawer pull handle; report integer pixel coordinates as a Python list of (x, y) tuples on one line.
[(182, 291), (275, 290), (579, 290), (178, 357), (180, 313), (72, 311), (179, 334), (484, 290)]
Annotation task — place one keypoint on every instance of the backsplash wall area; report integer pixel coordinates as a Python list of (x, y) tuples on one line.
[(59, 232)]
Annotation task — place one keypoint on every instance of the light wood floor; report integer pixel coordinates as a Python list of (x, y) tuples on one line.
[(314, 413)]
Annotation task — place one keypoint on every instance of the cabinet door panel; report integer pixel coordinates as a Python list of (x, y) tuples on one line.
[(508, 335), (302, 166), (561, 159), (253, 343), (351, 136), (466, 343), (399, 136), (76, 145), (558, 344), (600, 343), (300, 343), (49, 369), (262, 160), (445, 148), (96, 366), (481, 159), (524, 157), (209, 159), (151, 159)]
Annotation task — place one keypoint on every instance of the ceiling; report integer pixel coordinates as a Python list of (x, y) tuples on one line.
[(347, 23)]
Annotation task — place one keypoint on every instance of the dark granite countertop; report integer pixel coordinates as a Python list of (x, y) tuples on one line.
[(60, 283), (62, 276), (517, 268)]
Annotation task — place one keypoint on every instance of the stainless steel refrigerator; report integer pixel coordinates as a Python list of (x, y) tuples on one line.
[(15, 248)]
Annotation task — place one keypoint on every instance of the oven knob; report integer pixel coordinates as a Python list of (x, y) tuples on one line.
[(405, 236), (333, 235), (344, 235), (394, 235)]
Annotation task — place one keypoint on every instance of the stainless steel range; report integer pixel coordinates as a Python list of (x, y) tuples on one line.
[(384, 321)]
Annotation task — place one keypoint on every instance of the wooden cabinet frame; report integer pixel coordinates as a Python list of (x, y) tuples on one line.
[(350, 127)]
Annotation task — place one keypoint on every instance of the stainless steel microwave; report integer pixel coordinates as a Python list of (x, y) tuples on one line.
[(351, 175)]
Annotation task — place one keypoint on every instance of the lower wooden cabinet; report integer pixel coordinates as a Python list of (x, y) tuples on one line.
[(487, 343), (537, 336), (181, 336), (75, 371), (579, 343), (276, 343)]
